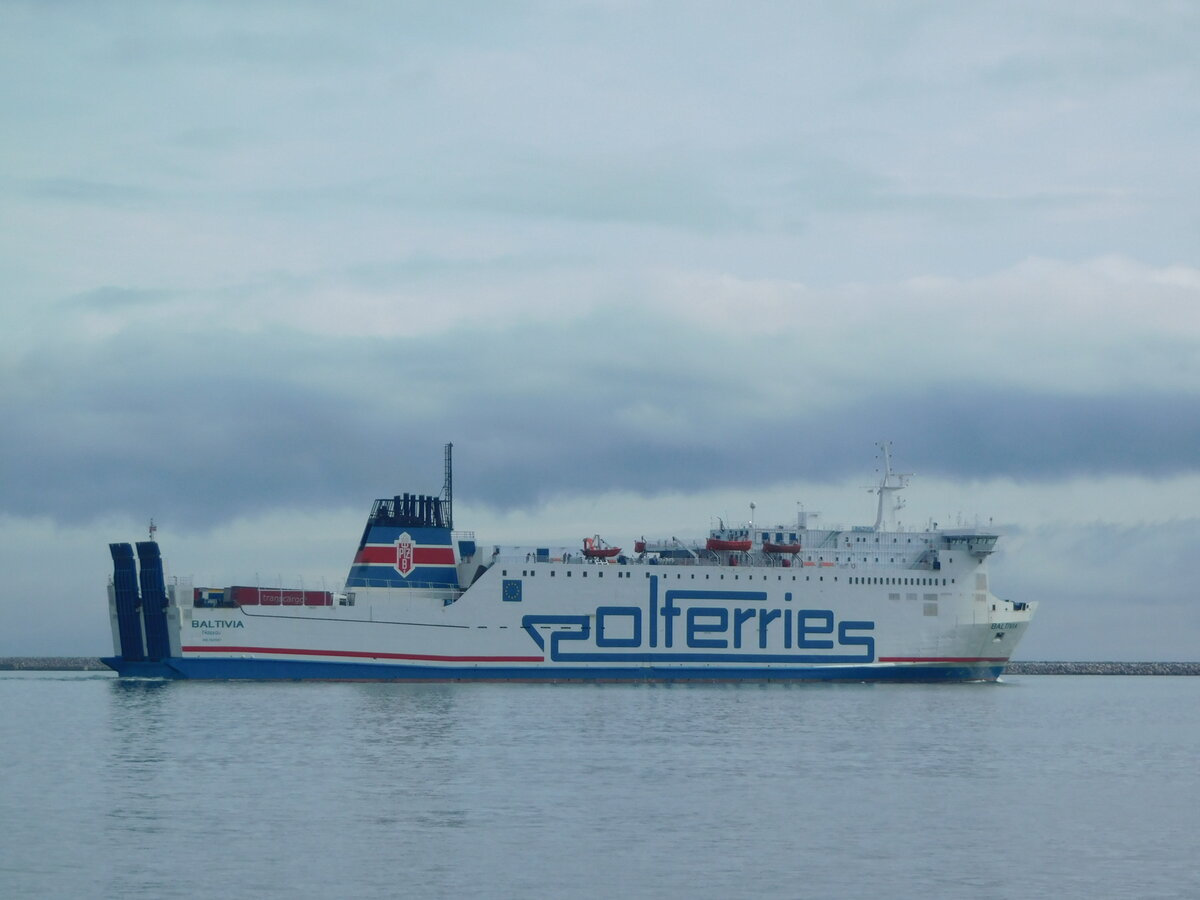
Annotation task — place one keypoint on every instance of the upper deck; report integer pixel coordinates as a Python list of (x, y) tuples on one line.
[(858, 548)]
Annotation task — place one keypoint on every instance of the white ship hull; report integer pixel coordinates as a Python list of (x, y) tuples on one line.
[(423, 602), (612, 621)]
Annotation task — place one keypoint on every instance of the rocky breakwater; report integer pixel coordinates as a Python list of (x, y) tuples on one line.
[(52, 664), (1103, 668)]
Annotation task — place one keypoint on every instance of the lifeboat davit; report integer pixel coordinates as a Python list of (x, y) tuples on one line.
[(594, 548), (727, 545), (768, 547)]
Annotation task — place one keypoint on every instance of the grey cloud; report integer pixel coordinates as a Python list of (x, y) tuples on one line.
[(224, 425), (90, 192), (110, 297), (637, 192), (1099, 599)]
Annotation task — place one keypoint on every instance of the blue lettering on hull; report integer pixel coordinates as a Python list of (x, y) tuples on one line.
[(683, 628)]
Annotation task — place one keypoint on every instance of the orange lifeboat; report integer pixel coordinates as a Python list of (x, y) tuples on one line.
[(790, 549), (595, 548)]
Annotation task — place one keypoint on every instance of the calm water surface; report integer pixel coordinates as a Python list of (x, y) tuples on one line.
[(1069, 787)]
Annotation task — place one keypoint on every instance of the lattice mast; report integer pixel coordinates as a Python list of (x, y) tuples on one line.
[(448, 487)]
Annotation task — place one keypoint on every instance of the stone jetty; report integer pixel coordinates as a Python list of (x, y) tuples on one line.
[(52, 664), (1103, 668)]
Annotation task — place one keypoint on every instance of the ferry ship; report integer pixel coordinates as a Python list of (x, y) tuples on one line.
[(424, 601)]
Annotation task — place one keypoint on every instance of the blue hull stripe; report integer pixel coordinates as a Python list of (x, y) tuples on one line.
[(340, 671)]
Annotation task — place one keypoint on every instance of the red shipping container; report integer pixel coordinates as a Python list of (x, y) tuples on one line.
[(253, 596), (243, 596)]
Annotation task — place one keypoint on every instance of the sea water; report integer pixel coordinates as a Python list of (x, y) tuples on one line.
[(1039, 786)]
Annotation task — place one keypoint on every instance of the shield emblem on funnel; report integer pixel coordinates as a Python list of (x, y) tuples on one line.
[(404, 554)]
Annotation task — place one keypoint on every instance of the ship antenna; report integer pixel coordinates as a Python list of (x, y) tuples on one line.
[(448, 487), (890, 483)]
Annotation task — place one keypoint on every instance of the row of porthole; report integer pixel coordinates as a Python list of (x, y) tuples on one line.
[(852, 580), (911, 582), (863, 540), (838, 560)]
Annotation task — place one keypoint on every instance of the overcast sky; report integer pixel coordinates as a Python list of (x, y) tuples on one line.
[(643, 263)]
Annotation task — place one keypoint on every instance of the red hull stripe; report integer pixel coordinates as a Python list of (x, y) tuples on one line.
[(364, 654), (943, 659), (422, 556)]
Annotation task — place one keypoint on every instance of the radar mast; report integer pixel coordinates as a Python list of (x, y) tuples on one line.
[(890, 484)]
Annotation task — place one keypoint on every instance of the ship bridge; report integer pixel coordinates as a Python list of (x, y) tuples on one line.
[(978, 544)]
